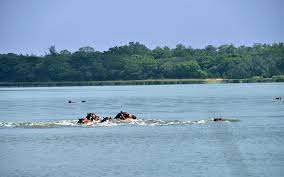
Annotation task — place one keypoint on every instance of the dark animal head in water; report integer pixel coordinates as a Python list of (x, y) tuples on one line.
[(218, 119), (80, 121), (118, 115), (89, 115), (124, 115), (106, 118)]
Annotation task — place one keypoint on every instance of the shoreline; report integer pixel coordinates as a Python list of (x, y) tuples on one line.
[(136, 82)]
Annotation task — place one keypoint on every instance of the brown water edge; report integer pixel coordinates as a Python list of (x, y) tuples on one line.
[(135, 82)]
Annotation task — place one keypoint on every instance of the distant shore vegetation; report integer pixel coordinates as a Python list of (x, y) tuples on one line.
[(140, 82), (135, 61)]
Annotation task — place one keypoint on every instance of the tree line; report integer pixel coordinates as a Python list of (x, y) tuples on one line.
[(135, 61)]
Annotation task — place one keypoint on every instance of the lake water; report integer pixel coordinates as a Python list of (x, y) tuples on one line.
[(174, 135)]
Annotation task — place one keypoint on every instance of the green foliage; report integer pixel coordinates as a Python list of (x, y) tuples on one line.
[(180, 51), (52, 50), (256, 79), (135, 61), (87, 49), (279, 78), (164, 52), (188, 69)]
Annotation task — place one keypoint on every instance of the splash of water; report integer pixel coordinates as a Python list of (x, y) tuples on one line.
[(73, 123)]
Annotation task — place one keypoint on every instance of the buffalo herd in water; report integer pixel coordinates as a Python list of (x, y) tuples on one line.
[(93, 118), (123, 116)]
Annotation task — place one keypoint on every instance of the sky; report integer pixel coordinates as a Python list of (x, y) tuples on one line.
[(32, 26)]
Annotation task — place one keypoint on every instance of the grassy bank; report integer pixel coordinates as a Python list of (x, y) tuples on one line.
[(137, 82)]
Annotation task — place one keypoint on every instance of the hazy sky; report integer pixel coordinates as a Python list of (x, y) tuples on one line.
[(31, 26)]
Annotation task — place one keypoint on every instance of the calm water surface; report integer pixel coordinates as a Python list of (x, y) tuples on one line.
[(251, 147)]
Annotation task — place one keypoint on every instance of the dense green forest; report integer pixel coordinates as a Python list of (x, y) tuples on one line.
[(135, 61)]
